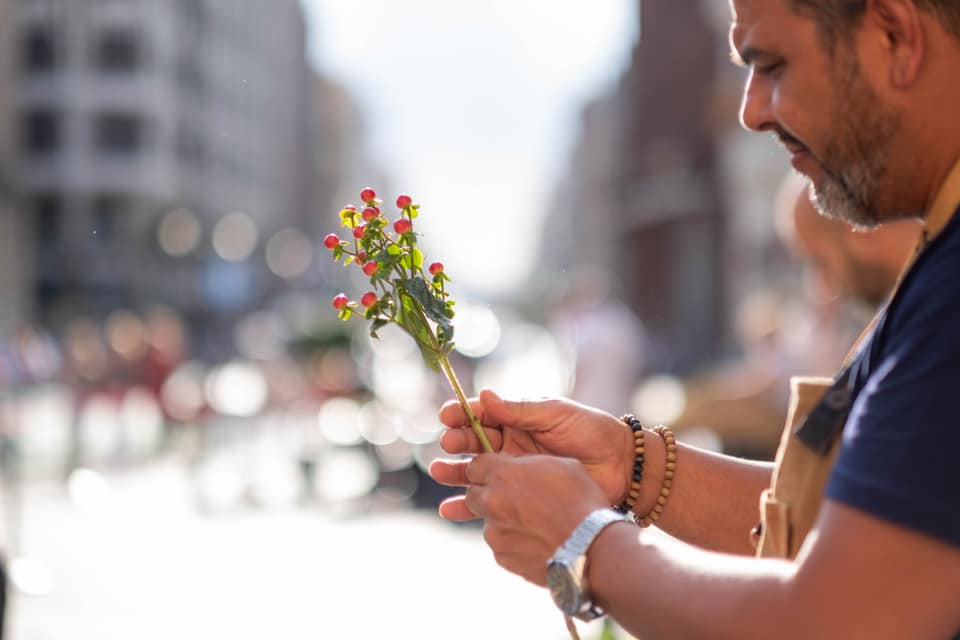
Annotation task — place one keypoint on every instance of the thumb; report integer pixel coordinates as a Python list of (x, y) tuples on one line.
[(525, 415)]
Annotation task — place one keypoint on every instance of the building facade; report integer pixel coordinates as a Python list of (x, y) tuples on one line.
[(643, 195), (129, 111), (15, 261)]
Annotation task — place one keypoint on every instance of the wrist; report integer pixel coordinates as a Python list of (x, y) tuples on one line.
[(605, 558)]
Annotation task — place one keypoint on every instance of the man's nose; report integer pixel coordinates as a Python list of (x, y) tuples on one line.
[(755, 108)]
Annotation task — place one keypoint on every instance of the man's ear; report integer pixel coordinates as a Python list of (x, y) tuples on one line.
[(900, 23)]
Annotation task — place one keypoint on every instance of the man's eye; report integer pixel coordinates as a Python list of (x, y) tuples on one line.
[(768, 69)]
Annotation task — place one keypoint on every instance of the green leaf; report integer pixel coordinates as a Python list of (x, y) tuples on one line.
[(337, 253), (433, 308), (420, 331), (376, 325), (346, 313), (417, 258), (348, 261)]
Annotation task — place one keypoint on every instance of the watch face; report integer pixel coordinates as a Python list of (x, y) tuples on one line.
[(563, 587)]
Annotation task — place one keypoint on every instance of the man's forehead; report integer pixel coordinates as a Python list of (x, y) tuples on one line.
[(749, 16)]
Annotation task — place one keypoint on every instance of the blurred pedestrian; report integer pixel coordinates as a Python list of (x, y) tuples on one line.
[(859, 533), (606, 339), (853, 271)]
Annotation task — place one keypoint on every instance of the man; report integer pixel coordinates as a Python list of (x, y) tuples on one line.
[(863, 93)]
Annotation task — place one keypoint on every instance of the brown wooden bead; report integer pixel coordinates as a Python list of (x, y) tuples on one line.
[(671, 466), (665, 492)]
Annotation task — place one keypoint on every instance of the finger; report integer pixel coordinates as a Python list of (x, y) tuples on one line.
[(452, 473), (478, 470), (452, 414), (527, 415), (464, 440), (455, 509), (475, 500)]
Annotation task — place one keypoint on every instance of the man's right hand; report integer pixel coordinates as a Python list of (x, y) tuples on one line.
[(558, 427)]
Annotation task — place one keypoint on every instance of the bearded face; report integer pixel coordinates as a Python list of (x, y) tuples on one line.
[(856, 157)]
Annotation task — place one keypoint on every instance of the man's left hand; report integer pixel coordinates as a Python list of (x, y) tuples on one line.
[(530, 506)]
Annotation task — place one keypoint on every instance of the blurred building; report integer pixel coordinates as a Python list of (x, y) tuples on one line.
[(14, 241), (341, 159), (643, 196), (131, 110)]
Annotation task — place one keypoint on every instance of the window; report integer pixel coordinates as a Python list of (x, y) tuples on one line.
[(41, 131), (106, 210), (39, 49), (118, 132), (47, 218), (117, 51)]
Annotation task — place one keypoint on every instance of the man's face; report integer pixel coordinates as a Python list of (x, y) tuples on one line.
[(819, 105)]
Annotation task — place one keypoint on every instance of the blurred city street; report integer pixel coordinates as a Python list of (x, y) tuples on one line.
[(147, 565)]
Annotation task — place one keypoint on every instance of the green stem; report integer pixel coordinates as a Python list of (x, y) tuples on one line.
[(457, 389), (455, 383)]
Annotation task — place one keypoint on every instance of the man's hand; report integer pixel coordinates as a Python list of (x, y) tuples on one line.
[(558, 427), (518, 499)]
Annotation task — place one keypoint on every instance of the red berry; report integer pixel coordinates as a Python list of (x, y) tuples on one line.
[(371, 268), (340, 301), (404, 201), (402, 226), (331, 241), (436, 268), (369, 299), (368, 194), (359, 231), (361, 258), (370, 213)]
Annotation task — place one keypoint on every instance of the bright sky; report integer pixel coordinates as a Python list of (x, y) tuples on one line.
[(472, 109)]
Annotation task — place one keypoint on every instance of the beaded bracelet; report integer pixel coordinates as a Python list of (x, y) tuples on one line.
[(671, 443), (638, 458)]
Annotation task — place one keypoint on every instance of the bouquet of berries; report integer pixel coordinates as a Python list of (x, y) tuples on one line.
[(401, 291)]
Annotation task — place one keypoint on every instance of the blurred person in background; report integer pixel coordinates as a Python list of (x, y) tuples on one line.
[(852, 271), (605, 338), (859, 533)]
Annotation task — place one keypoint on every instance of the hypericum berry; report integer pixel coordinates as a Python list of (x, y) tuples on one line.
[(368, 195), (361, 258), (340, 301), (402, 226), (370, 213), (359, 231), (371, 268), (435, 268), (369, 299), (404, 201), (331, 241)]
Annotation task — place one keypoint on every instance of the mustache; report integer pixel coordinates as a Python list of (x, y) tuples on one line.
[(788, 141)]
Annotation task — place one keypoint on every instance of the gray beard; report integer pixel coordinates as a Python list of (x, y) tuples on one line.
[(856, 162)]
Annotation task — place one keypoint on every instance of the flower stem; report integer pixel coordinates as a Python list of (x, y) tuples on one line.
[(457, 389)]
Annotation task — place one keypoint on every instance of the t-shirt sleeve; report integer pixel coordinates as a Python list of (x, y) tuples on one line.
[(900, 455)]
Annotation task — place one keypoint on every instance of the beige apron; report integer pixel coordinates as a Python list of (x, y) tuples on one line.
[(789, 508)]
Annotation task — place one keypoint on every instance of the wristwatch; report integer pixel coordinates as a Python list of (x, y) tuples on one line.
[(566, 575)]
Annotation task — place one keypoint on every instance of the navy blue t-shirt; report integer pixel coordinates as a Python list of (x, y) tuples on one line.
[(900, 451)]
